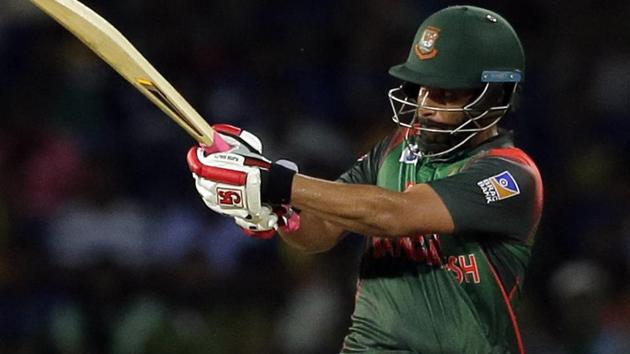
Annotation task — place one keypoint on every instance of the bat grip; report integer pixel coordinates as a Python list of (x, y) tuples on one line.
[(218, 145)]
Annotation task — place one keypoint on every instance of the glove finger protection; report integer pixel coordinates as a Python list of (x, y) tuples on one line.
[(238, 139), (264, 227), (282, 218)]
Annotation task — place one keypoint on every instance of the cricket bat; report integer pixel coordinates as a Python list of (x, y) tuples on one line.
[(109, 44)]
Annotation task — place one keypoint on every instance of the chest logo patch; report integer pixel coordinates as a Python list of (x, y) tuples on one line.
[(499, 187)]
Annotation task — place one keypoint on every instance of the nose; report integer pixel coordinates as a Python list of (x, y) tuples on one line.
[(423, 101), (424, 117), (426, 113)]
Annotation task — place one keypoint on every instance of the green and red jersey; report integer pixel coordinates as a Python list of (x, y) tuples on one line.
[(448, 293)]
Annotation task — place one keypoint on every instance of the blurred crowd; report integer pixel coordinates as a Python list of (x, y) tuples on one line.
[(105, 247)]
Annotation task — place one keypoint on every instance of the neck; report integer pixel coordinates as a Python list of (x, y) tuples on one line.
[(484, 135)]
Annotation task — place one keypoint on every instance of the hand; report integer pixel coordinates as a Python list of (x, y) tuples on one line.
[(257, 220), (283, 217), (230, 138), (229, 183), (264, 228)]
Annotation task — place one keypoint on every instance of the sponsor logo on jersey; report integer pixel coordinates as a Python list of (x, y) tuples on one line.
[(425, 48), (427, 249), (420, 249), (499, 187), (229, 198)]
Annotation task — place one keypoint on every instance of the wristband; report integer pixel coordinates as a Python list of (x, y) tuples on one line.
[(276, 184)]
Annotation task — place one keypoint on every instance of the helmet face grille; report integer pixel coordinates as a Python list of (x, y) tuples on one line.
[(429, 139)]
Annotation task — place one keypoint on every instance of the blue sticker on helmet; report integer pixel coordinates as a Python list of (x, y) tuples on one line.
[(501, 76)]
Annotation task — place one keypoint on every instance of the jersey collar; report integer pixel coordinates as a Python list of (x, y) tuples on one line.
[(504, 138)]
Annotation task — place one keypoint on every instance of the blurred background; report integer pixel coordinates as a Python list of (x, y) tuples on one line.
[(105, 247)]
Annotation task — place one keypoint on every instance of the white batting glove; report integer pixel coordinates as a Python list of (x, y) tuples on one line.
[(264, 228), (228, 178), (282, 218), (228, 138), (229, 183), (239, 140)]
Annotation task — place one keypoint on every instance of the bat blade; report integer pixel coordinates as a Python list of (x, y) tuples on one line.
[(109, 44)]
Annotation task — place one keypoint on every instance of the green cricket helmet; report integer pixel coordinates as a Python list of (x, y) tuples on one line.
[(459, 47)]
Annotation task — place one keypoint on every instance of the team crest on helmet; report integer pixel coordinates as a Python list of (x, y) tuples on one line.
[(425, 48)]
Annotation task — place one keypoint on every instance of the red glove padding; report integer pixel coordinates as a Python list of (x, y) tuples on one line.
[(288, 220), (261, 235)]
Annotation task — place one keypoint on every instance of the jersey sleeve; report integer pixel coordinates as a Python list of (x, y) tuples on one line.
[(499, 194), (365, 169)]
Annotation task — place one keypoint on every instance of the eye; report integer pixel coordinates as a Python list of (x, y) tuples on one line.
[(449, 95), (410, 90)]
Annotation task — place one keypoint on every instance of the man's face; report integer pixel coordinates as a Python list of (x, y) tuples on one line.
[(442, 98), (431, 114), (439, 121)]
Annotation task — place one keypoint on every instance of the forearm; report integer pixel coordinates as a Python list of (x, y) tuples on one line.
[(371, 210), (359, 208)]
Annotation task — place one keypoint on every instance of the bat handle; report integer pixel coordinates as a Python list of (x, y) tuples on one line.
[(218, 145)]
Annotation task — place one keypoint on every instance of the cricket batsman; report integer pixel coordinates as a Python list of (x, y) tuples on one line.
[(448, 205)]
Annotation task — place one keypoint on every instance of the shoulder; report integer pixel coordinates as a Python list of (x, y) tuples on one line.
[(513, 154), (502, 187), (506, 171), (513, 158), (503, 157)]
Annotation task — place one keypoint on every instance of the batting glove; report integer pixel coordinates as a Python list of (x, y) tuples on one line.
[(228, 178), (282, 218), (230, 138), (263, 228), (228, 183)]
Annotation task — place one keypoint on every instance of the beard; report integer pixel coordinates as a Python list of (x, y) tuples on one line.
[(433, 142)]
